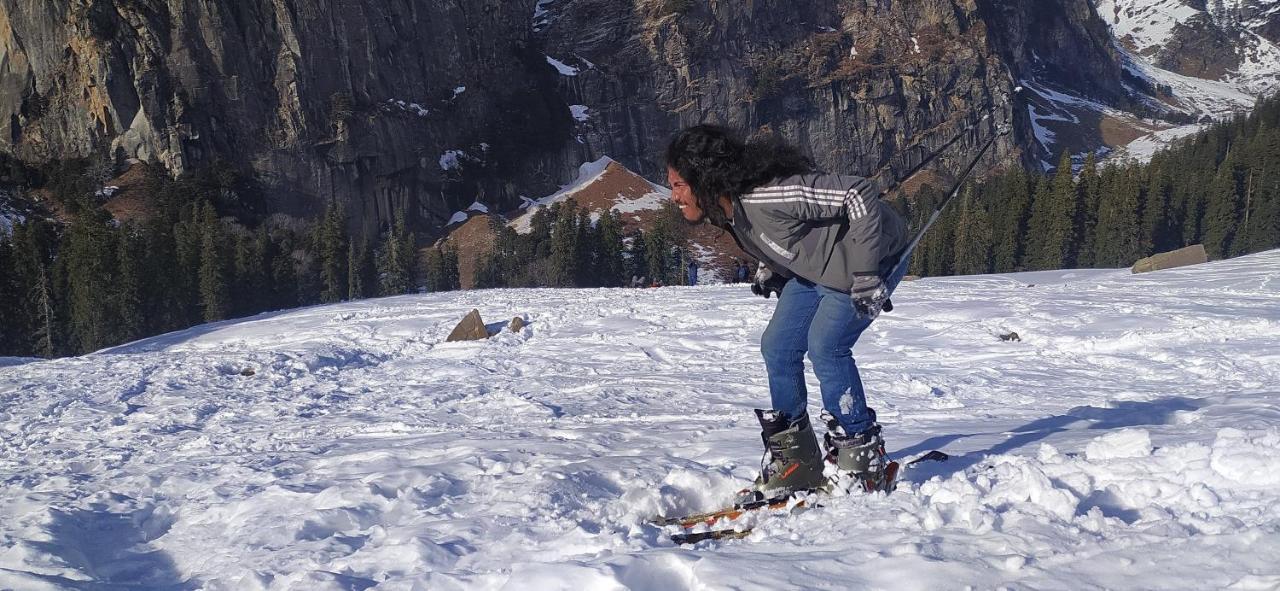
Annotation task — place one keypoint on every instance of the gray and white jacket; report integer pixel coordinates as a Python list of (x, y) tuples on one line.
[(820, 227)]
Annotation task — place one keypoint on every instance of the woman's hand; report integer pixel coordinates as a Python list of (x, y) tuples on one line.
[(868, 296), (767, 282)]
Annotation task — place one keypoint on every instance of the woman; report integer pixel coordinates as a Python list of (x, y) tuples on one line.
[(827, 245)]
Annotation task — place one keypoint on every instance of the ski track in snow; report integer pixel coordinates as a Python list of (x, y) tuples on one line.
[(1130, 439)]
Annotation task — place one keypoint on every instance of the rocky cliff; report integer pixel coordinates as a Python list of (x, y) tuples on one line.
[(432, 105)]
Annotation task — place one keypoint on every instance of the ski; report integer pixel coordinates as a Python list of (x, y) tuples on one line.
[(794, 503)]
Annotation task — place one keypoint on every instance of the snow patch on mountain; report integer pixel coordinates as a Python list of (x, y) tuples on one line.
[(589, 179)]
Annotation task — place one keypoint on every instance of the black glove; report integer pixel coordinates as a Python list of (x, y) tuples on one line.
[(767, 282), (868, 296)]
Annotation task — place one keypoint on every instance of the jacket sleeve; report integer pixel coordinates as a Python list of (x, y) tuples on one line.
[(826, 198)]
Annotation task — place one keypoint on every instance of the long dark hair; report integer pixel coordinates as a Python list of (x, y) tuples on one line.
[(715, 162)]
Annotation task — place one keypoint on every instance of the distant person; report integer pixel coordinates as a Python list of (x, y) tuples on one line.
[(740, 274), (827, 245), (693, 272)]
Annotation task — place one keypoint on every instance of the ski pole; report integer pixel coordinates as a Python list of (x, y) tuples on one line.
[(1003, 129)]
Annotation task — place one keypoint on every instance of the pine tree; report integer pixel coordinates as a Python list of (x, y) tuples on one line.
[(188, 246), (585, 258), (1119, 236), (452, 273), (1222, 212), (331, 246), (637, 255), (249, 276), (1157, 229), (1053, 228), (46, 335), (1014, 191), (92, 258), (40, 314), (396, 260), (488, 271), (359, 269), (277, 252), (12, 342), (214, 297), (973, 239), (129, 289), (565, 253), (609, 268), (1263, 225), (1089, 187), (540, 230), (933, 255)]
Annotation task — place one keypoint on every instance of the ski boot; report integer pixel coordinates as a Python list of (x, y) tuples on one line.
[(792, 462), (859, 459)]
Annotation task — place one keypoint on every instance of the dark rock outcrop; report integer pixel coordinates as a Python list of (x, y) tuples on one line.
[(429, 105), (470, 328)]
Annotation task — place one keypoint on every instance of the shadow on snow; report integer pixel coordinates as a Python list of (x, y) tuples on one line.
[(1122, 414)]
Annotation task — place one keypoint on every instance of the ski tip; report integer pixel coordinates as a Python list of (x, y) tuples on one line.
[(932, 456)]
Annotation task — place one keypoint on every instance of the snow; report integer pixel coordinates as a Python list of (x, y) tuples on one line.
[(457, 218), (452, 159), (408, 107), (8, 220), (565, 70), (541, 16), (1143, 148), (1130, 440), (477, 206), (1148, 24), (579, 112), (459, 90), (588, 172), (648, 201)]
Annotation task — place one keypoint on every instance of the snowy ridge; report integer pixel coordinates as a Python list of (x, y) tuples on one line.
[(588, 174), (348, 446), (1147, 26), (1143, 28)]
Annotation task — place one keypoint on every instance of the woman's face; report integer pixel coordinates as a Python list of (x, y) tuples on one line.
[(683, 197)]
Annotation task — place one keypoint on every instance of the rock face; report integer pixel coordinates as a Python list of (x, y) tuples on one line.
[(431, 105), (381, 105)]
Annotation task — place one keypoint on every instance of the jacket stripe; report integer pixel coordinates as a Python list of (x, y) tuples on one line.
[(796, 188), (784, 253), (851, 199)]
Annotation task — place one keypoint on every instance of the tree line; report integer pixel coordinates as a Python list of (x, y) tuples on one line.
[(1219, 187), (569, 246), (207, 251), (201, 254)]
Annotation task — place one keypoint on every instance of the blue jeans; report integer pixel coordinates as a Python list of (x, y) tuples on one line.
[(820, 321)]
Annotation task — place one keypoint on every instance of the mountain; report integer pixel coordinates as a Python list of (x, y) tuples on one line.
[(601, 185), (1233, 41), (1206, 59), (428, 107), (1128, 440)]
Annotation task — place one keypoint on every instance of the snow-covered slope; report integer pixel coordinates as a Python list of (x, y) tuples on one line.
[(1130, 439), (1156, 29), (1205, 61)]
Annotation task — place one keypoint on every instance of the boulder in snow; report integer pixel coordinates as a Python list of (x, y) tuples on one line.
[(471, 328), (1191, 255), (517, 324)]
